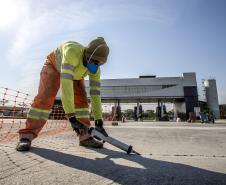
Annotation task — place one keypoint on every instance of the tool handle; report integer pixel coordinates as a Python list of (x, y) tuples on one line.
[(127, 148)]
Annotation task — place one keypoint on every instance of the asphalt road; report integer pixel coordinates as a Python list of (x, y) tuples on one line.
[(172, 153)]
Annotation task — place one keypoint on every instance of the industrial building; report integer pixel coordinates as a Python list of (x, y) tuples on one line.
[(181, 91)]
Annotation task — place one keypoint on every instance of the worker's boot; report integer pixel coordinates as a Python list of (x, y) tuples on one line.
[(91, 142), (23, 145)]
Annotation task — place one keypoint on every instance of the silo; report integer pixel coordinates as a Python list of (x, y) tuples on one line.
[(212, 96)]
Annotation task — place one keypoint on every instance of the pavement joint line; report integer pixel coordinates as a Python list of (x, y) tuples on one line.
[(187, 155)]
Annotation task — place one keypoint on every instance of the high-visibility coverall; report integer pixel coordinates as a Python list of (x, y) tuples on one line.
[(64, 69)]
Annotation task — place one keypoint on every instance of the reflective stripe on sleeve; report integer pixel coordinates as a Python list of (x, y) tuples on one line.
[(94, 92), (82, 113), (68, 67), (94, 84), (66, 76)]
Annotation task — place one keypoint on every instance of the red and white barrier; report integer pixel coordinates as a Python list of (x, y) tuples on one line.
[(14, 106)]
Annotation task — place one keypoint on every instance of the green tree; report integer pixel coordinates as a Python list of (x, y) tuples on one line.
[(149, 114), (128, 114)]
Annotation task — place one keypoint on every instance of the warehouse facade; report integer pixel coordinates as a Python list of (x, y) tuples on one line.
[(181, 91)]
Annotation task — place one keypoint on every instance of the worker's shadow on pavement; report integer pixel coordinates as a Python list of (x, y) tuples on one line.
[(133, 169)]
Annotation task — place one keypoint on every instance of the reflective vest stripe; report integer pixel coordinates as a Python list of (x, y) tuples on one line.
[(66, 76), (94, 92), (81, 109), (68, 67), (82, 113), (94, 84), (83, 116)]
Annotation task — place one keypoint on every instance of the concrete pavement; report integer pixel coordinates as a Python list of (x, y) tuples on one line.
[(172, 153)]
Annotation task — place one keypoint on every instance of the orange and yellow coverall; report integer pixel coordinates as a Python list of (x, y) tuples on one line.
[(64, 70)]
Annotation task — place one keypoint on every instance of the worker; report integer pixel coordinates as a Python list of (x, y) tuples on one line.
[(65, 68)]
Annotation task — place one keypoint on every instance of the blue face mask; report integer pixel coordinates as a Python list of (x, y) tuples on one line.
[(92, 68)]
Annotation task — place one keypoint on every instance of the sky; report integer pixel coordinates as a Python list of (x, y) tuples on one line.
[(146, 37)]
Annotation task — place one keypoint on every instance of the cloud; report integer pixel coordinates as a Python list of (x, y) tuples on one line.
[(42, 25), (39, 29), (38, 33), (49, 20)]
